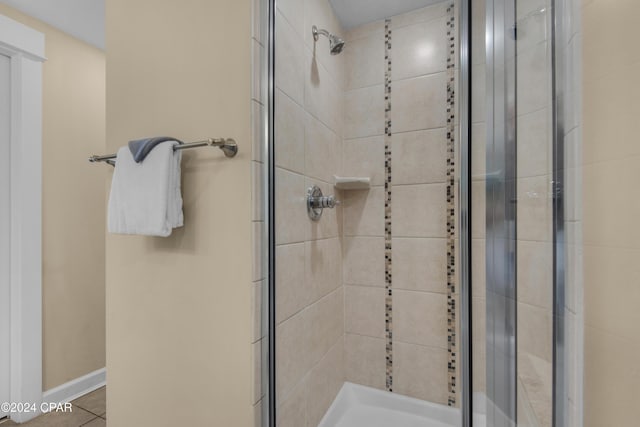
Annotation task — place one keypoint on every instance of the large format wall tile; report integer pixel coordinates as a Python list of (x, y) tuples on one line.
[(293, 11), (290, 132), (323, 97), (364, 261), (294, 358), (291, 218), (426, 14), (478, 151), (325, 381), (478, 93), (533, 89), (323, 266), (419, 49), (420, 264), (534, 209), (364, 157), (479, 343), (535, 331), (322, 150), (419, 103), (290, 69), (534, 157), (365, 360), (535, 273), (364, 112), (420, 318), (372, 29), (478, 268), (291, 286), (326, 324), (364, 213), (292, 412), (419, 210), (420, 372), (365, 62), (363, 308), (420, 157)]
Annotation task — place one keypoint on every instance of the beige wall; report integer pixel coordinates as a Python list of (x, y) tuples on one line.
[(419, 176), (611, 165), (178, 309), (310, 298), (73, 205)]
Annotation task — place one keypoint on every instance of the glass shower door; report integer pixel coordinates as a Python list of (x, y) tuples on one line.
[(513, 200)]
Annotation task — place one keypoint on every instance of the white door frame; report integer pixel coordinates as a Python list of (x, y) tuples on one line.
[(25, 47)]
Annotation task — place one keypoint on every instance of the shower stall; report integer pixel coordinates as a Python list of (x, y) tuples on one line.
[(416, 214)]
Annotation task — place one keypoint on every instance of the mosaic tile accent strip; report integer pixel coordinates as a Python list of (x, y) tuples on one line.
[(387, 208), (451, 207)]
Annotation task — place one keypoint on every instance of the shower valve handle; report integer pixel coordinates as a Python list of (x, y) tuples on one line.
[(324, 202), (316, 202)]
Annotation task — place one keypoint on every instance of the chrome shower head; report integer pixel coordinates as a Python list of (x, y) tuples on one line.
[(336, 44)]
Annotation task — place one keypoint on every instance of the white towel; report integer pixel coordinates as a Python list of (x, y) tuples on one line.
[(145, 197)]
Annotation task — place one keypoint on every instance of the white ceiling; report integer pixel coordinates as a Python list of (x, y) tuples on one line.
[(357, 12), (83, 19)]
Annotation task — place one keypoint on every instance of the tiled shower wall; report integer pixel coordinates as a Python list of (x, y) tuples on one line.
[(310, 299), (396, 313), (331, 120)]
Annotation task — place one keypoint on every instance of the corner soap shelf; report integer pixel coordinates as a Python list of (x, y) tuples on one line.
[(352, 182)]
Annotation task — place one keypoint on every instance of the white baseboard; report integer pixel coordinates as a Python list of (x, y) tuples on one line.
[(76, 388)]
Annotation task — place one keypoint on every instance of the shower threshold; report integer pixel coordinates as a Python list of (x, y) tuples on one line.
[(357, 406)]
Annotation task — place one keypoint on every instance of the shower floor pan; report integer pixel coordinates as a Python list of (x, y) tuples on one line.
[(359, 406)]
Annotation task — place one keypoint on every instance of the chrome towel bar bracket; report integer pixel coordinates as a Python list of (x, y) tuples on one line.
[(227, 145)]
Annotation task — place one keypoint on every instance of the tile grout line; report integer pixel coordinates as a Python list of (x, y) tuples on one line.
[(451, 210), (387, 209), (91, 420), (91, 412)]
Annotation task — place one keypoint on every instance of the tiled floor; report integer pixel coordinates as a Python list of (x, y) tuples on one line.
[(88, 411)]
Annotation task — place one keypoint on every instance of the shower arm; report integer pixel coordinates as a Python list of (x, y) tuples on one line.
[(316, 33)]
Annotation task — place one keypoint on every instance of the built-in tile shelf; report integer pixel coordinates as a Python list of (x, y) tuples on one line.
[(352, 182)]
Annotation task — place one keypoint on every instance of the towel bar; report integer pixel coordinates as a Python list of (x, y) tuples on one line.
[(227, 145)]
